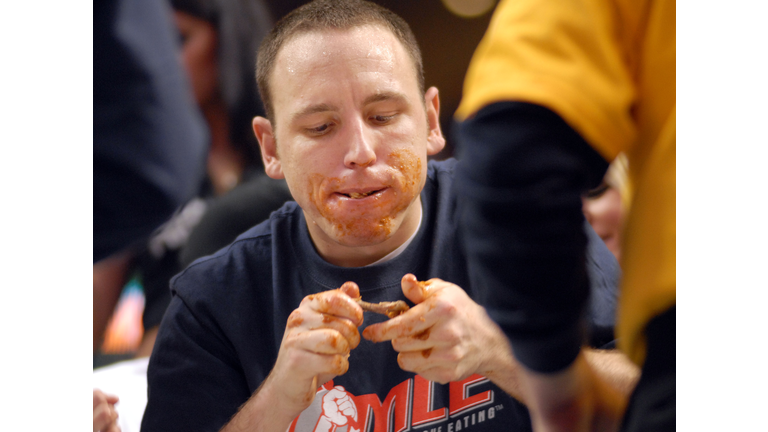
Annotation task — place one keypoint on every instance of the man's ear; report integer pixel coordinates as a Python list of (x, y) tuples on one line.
[(262, 128), (435, 139)]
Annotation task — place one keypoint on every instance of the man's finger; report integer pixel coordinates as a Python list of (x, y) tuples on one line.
[(351, 289), (317, 367), (438, 374), (320, 341), (337, 364), (418, 343), (306, 322), (415, 322), (336, 303), (438, 358), (414, 290), (417, 360)]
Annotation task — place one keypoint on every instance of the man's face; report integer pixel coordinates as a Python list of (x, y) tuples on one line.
[(352, 133)]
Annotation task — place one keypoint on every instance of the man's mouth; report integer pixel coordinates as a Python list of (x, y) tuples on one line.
[(356, 195), (360, 195)]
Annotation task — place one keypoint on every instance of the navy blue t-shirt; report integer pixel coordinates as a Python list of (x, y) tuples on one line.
[(222, 332)]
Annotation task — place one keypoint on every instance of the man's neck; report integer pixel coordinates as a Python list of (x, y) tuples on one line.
[(395, 253), (361, 256)]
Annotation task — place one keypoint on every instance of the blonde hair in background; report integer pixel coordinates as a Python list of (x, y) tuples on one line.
[(617, 177)]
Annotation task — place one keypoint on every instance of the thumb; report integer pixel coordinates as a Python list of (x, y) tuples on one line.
[(351, 289), (414, 290)]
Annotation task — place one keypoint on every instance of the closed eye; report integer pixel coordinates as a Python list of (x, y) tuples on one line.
[(383, 119), (319, 130)]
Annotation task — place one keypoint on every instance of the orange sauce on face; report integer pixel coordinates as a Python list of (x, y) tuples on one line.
[(376, 222)]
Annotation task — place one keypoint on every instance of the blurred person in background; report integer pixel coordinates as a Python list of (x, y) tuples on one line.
[(606, 205), (219, 65), (149, 142), (219, 39), (555, 91), (217, 47), (218, 42)]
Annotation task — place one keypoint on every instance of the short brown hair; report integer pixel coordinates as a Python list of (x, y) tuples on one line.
[(330, 14)]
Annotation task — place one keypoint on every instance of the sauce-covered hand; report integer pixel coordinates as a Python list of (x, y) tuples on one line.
[(315, 348), (446, 336)]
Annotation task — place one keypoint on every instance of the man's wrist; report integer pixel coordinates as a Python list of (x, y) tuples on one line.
[(268, 410), (271, 395), (501, 367)]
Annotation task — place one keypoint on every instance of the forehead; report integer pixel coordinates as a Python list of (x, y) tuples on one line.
[(316, 61)]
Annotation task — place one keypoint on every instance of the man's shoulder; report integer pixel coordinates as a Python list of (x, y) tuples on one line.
[(440, 174), (250, 251), (446, 166), (286, 214)]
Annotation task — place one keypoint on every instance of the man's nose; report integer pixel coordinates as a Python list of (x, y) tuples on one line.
[(360, 151)]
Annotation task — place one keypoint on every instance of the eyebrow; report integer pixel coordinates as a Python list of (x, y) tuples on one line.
[(312, 109), (385, 96), (323, 107)]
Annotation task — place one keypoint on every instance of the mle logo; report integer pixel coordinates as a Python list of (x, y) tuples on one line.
[(408, 405)]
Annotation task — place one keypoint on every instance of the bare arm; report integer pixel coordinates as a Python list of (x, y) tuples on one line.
[(612, 366), (576, 399), (109, 276), (265, 412), (615, 368)]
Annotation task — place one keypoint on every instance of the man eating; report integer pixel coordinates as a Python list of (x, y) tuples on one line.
[(263, 335)]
